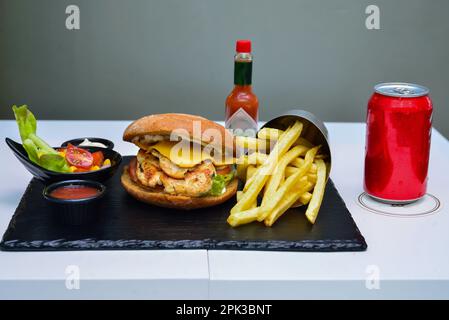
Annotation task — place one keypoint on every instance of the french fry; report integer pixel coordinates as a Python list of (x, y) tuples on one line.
[(262, 158), (276, 178), (241, 171), (269, 134), (263, 172), (251, 143), (250, 172), (318, 192), (298, 162), (303, 142), (291, 170), (312, 177), (248, 183), (257, 158), (244, 161), (269, 202), (273, 134), (273, 201), (305, 197), (285, 204), (249, 177), (239, 196), (243, 217), (291, 175)]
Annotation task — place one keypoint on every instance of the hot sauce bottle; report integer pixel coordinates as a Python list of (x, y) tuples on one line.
[(242, 105)]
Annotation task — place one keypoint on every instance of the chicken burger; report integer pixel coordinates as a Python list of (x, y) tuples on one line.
[(184, 161)]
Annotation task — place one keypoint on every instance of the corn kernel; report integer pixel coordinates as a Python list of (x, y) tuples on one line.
[(93, 168), (72, 168), (107, 163)]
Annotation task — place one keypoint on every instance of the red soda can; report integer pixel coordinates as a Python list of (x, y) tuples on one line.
[(398, 129)]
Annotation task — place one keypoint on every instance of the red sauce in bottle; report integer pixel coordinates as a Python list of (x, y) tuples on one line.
[(242, 105), (74, 192)]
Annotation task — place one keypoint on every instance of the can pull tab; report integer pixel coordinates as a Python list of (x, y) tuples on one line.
[(403, 91)]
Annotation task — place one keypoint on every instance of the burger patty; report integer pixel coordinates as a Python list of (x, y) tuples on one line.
[(169, 167), (148, 171), (197, 182), (152, 171)]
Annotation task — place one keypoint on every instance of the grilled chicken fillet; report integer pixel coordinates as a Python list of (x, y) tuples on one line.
[(152, 169)]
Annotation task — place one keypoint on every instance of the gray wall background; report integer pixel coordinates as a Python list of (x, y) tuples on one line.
[(132, 58)]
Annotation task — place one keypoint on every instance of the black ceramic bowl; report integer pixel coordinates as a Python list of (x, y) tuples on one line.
[(75, 212), (48, 176), (108, 143)]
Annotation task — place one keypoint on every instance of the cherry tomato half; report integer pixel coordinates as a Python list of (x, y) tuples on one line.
[(78, 157), (98, 158), (132, 169)]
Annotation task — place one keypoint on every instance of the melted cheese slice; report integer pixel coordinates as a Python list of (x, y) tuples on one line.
[(183, 154)]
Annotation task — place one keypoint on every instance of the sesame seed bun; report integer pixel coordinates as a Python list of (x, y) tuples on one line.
[(208, 132)]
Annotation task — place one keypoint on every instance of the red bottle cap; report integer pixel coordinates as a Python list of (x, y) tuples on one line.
[(243, 46)]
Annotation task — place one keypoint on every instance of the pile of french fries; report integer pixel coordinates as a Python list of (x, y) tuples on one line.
[(281, 170)]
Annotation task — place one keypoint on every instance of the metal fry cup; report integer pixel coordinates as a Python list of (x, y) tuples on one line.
[(314, 130)]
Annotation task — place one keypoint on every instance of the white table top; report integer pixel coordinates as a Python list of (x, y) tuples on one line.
[(410, 255)]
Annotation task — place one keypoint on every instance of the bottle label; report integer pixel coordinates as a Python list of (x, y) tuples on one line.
[(243, 73), (242, 124)]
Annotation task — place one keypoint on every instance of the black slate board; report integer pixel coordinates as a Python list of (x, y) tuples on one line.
[(126, 224)]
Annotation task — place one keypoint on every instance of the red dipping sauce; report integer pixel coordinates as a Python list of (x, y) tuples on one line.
[(74, 192)]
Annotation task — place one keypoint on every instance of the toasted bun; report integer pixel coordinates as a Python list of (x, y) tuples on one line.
[(166, 200), (164, 124)]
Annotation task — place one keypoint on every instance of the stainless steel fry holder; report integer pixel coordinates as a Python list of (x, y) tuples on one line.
[(314, 130)]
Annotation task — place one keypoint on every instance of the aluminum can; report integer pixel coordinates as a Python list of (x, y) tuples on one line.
[(398, 130)]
